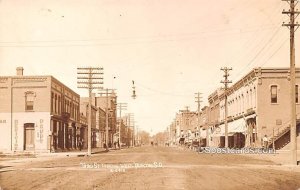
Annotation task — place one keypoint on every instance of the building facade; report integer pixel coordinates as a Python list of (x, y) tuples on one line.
[(186, 124), (37, 114), (259, 104), (107, 104), (95, 132)]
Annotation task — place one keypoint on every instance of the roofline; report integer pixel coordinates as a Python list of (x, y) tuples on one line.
[(258, 70), (37, 76)]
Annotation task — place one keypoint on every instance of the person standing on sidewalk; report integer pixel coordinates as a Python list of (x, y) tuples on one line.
[(80, 144), (265, 141)]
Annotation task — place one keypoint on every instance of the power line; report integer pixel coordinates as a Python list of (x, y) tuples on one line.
[(97, 42)]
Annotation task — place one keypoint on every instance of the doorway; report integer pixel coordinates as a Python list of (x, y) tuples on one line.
[(29, 136)]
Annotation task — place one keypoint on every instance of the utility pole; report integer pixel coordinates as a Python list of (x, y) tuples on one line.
[(121, 106), (90, 78), (112, 93), (131, 121), (226, 82), (137, 134), (198, 101), (292, 13)]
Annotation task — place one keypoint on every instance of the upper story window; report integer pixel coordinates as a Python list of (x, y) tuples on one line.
[(59, 105), (52, 97), (29, 100), (297, 93), (274, 95), (55, 103)]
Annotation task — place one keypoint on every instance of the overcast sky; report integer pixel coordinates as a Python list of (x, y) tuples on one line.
[(170, 48)]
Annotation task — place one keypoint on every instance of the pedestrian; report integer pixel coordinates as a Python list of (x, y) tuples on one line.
[(80, 144), (265, 141), (115, 145)]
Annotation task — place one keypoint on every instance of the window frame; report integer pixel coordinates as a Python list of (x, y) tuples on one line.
[(29, 103), (275, 101)]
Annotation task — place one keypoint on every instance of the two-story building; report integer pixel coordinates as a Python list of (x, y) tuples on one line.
[(258, 104), (37, 114), (95, 132), (107, 104)]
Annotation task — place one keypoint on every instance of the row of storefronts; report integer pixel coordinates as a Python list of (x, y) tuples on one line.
[(41, 114), (255, 110)]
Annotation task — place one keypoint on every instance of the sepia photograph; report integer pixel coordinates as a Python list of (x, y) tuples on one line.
[(149, 94)]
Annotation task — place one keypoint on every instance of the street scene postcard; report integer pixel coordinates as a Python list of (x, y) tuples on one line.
[(149, 94)]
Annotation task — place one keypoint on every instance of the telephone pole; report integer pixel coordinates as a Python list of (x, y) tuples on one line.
[(107, 92), (292, 13), (121, 106), (198, 101), (226, 82), (90, 78), (137, 135), (131, 124)]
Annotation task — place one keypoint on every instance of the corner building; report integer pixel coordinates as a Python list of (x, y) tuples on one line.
[(37, 114)]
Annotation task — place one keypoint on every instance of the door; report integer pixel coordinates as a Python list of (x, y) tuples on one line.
[(29, 136)]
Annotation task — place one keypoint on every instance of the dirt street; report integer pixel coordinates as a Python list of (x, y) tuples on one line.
[(148, 168)]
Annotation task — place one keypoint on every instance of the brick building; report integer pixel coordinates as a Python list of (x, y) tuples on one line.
[(258, 104), (84, 110), (101, 102), (186, 122), (37, 113)]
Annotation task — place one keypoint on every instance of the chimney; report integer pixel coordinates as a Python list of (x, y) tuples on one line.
[(20, 71)]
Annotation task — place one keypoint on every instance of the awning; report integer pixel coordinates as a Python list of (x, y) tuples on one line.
[(235, 126)]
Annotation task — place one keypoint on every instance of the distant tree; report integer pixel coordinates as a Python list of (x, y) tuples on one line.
[(144, 137), (161, 138)]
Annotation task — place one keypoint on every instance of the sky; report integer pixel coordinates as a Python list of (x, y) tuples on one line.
[(170, 48)]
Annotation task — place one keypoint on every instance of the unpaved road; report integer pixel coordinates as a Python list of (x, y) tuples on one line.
[(173, 169)]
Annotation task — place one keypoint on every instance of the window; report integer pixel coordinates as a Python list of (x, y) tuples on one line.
[(297, 94), (52, 96), (29, 101), (273, 94), (59, 105), (55, 104)]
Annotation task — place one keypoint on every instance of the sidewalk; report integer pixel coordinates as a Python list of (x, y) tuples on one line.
[(72, 153)]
